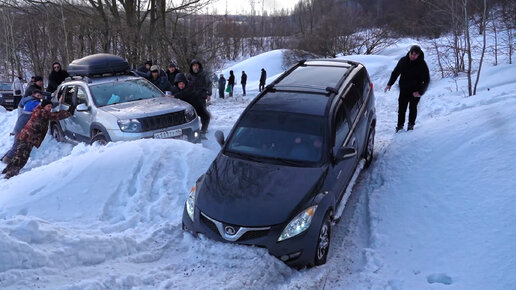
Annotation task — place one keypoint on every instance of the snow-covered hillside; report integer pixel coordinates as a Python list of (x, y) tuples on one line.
[(434, 211)]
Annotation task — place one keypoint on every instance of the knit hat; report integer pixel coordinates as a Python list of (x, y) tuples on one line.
[(149, 62), (38, 78), (171, 64), (154, 68)]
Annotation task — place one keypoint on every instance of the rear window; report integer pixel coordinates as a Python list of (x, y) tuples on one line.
[(315, 76)]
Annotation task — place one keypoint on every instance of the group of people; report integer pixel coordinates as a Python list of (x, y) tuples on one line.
[(243, 81), (194, 88)]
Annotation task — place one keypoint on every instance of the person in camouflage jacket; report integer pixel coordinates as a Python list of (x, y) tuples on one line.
[(32, 135)]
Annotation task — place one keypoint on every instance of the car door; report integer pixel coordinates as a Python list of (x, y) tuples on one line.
[(82, 119), (353, 102), (361, 89), (343, 136), (69, 125)]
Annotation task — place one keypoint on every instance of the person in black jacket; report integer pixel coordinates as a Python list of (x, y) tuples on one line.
[(222, 86), (56, 77), (231, 83), (146, 67), (263, 78), (413, 83), (199, 82), (172, 71), (243, 81)]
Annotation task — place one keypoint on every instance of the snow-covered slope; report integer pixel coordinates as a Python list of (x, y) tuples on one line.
[(434, 210)]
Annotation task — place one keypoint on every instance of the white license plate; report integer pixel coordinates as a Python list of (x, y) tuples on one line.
[(168, 134)]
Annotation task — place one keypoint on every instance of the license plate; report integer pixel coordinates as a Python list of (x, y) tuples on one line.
[(168, 134)]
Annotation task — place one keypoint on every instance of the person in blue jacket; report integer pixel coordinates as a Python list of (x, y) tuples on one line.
[(28, 104)]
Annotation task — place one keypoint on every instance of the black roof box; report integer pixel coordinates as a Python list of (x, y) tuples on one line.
[(98, 64)]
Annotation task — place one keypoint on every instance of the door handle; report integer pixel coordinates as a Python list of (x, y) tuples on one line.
[(353, 141)]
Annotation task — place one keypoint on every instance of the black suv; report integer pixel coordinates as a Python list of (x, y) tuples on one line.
[(282, 175)]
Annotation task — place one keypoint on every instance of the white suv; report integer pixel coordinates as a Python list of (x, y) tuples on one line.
[(117, 106)]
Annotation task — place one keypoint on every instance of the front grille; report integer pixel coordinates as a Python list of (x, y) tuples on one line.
[(253, 235), (162, 121), (209, 224)]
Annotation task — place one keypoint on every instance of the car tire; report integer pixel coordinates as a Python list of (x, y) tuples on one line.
[(57, 133), (99, 138), (369, 150), (323, 241)]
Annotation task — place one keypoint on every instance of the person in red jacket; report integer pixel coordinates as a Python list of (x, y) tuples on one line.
[(32, 135)]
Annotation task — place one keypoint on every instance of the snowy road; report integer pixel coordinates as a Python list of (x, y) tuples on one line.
[(434, 210)]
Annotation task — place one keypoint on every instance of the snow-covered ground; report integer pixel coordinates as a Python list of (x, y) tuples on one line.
[(434, 211)]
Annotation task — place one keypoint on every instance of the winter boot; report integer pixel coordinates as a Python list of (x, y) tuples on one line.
[(410, 127), (398, 129)]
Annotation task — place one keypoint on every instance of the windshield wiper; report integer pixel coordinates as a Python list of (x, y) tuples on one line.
[(245, 156), (288, 161)]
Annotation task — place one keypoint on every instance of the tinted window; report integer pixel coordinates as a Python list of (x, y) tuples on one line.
[(122, 92), (279, 135), (361, 81), (341, 127), (353, 102), (315, 76)]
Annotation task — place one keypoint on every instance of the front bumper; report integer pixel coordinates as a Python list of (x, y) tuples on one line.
[(298, 251), (190, 132)]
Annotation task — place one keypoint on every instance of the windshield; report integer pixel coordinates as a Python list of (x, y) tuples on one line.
[(122, 92), (279, 136)]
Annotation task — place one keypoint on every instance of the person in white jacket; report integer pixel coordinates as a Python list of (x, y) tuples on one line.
[(17, 88)]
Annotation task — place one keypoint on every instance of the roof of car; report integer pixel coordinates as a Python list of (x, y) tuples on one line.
[(294, 102), (306, 87)]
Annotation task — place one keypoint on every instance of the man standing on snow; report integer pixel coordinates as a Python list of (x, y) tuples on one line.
[(413, 83), (17, 88), (200, 84), (222, 86), (231, 83), (32, 135), (243, 81), (263, 78)]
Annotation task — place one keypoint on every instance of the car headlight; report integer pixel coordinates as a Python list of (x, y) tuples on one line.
[(132, 125), (298, 224), (190, 114), (190, 202)]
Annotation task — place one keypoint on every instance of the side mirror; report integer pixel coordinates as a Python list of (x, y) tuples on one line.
[(82, 108), (345, 153), (219, 136)]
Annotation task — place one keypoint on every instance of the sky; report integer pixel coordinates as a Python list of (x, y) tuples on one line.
[(244, 6)]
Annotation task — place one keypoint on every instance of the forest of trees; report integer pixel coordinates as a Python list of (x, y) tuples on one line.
[(35, 33)]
